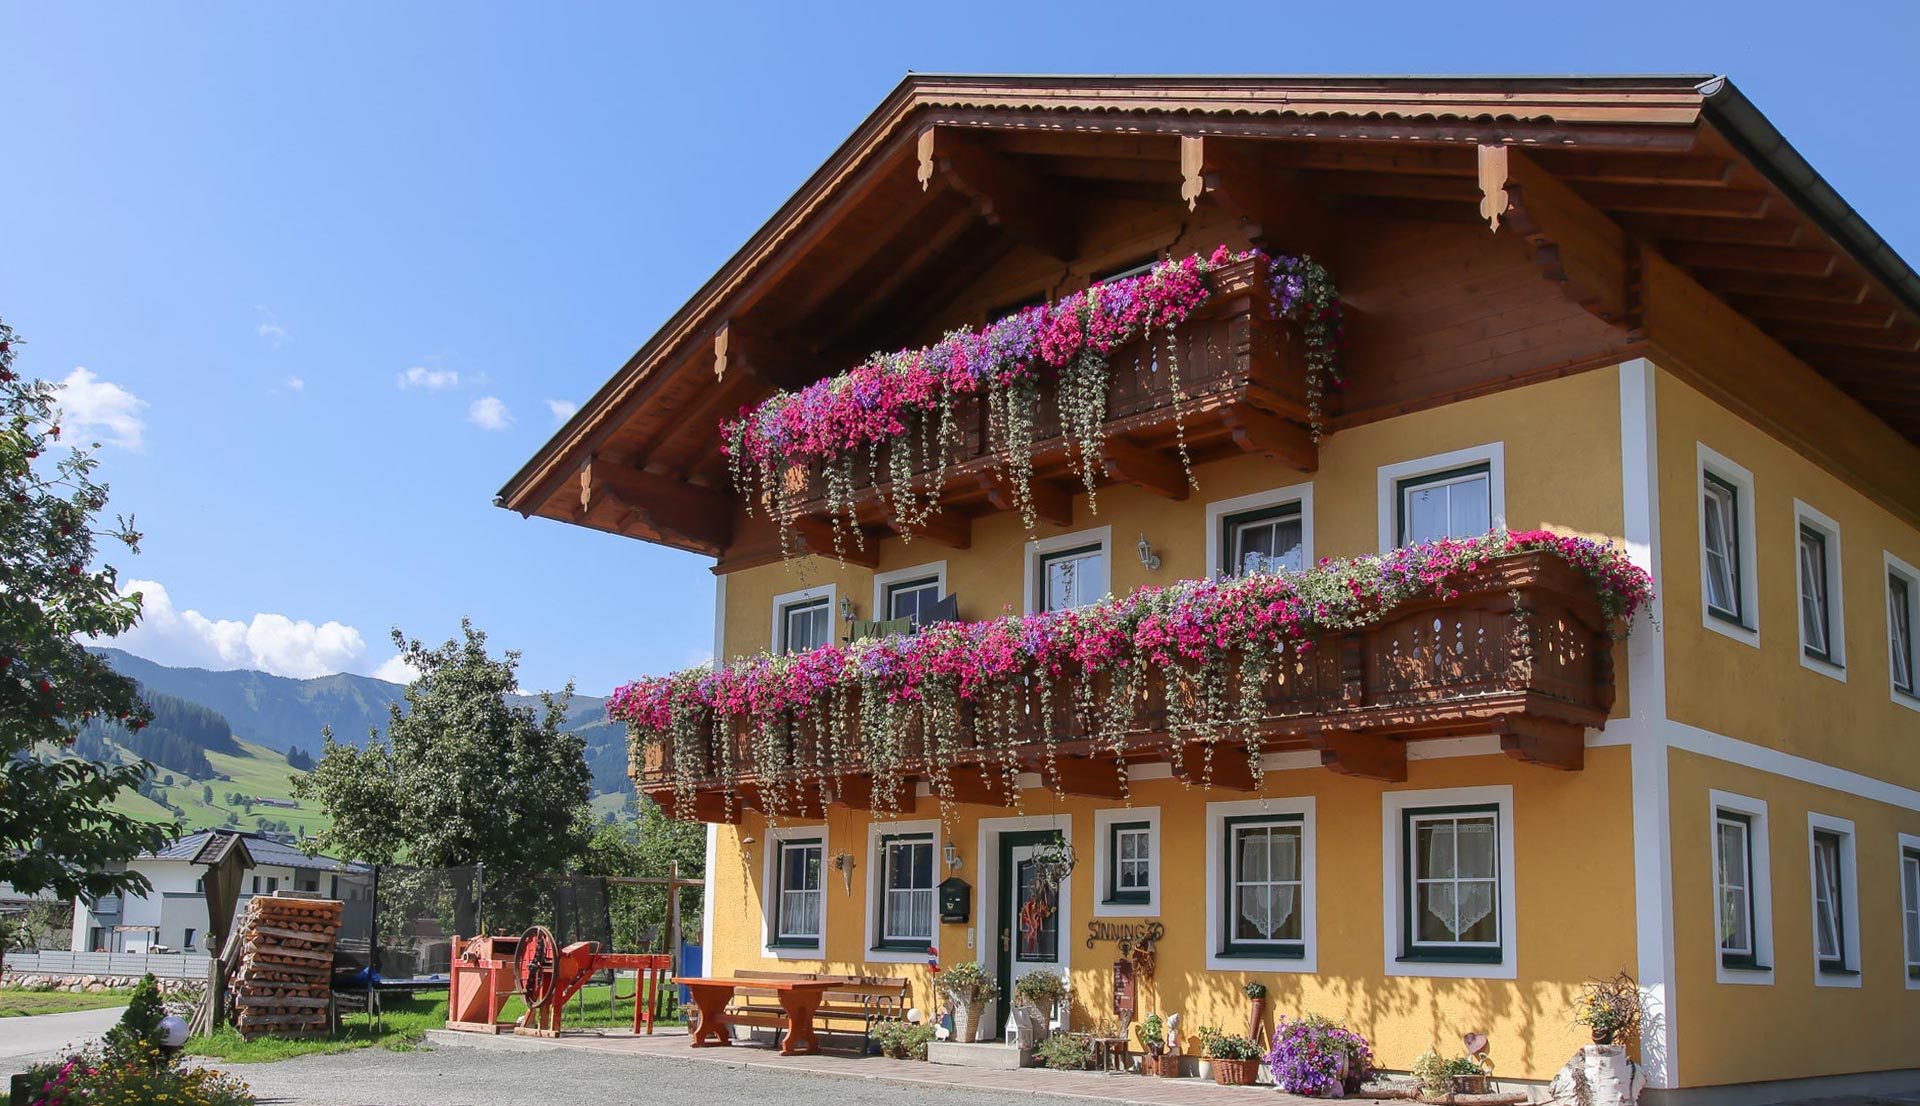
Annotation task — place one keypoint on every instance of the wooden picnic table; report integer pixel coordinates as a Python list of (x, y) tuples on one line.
[(799, 998)]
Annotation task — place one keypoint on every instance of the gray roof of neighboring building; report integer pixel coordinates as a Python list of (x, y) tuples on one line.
[(264, 850)]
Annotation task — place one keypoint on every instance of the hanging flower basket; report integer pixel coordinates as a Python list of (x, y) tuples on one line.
[(1052, 863)]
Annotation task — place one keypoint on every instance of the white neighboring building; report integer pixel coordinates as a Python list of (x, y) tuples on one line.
[(172, 917)]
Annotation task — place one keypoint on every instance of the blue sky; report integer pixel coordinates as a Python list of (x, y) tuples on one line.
[(326, 266)]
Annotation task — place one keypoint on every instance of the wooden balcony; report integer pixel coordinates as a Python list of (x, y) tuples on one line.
[(1242, 379), (1522, 651)]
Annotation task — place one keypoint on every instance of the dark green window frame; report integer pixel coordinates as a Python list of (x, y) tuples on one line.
[(1405, 484), (1900, 633), (1259, 950), (1229, 565), (881, 944), (774, 940), (1750, 960), (1116, 896), (1046, 560), (915, 584), (1910, 949), (1833, 965), (1415, 952), (1824, 572), (1738, 615)]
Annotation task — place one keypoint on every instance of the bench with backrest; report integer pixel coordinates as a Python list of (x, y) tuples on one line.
[(861, 1000)]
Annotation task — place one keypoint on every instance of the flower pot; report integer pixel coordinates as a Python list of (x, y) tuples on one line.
[(1603, 1036), (1466, 1084), (1235, 1073), (1166, 1065), (966, 1019), (1255, 1017)]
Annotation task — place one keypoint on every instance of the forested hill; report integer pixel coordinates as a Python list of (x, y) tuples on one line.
[(179, 737)]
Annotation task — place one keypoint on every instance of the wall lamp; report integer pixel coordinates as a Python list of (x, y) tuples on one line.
[(1148, 558)]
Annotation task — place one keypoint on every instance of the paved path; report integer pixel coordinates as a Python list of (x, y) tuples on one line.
[(44, 1036)]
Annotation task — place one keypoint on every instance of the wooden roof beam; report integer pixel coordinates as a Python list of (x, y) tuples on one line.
[(1718, 203), (1280, 210), (1543, 741), (1570, 240), (1003, 191), (815, 536), (1051, 502), (1367, 756), (1229, 769), (1091, 778), (948, 528), (1147, 468), (1864, 316), (1256, 431), (743, 350), (697, 515), (1661, 169), (984, 785), (1759, 259)]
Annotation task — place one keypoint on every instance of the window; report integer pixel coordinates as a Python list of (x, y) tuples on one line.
[(200, 886), (798, 902), (1829, 942), (1836, 922), (1461, 494), (1720, 502), (1129, 862), (1733, 884), (911, 599), (1264, 880), (907, 895), (256, 885), (1269, 539), (1729, 604), (1910, 905), (273, 884), (805, 625), (1903, 590), (1453, 883), (1068, 571), (1816, 623), (1131, 268), (186, 939)]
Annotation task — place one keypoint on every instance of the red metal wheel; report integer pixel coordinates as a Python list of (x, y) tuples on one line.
[(536, 966)]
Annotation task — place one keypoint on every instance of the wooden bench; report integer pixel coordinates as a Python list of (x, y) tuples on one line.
[(861, 1000)]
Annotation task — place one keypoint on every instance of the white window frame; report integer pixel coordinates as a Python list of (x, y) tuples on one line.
[(1301, 807), (1102, 536), (875, 860), (884, 581), (1891, 567), (1910, 966), (1747, 630), (1220, 509), (778, 634), (1103, 820), (1829, 531), (1393, 805), (1848, 974), (770, 890), (1387, 490), (1759, 890)]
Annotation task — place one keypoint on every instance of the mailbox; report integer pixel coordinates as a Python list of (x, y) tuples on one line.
[(956, 900)]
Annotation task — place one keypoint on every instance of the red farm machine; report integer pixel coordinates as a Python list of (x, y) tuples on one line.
[(487, 971)]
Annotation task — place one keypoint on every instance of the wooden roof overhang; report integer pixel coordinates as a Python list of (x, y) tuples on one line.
[(1606, 179)]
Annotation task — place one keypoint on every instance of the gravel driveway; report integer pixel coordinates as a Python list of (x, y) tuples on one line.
[(481, 1077)]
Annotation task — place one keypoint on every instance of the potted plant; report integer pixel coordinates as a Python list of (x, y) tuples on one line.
[(1318, 1057), (967, 988), (1234, 1059), (1441, 1076), (902, 1040), (1053, 861), (1257, 1000), (1610, 1008), (1066, 1051), (1035, 997), (1160, 1054)]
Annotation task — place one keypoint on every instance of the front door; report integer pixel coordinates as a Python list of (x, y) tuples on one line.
[(1029, 917)]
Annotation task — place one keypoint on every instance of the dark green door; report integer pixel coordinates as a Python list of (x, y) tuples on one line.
[(1029, 916)]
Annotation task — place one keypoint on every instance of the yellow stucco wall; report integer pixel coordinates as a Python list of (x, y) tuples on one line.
[(1575, 909), (1737, 1033), (1765, 695)]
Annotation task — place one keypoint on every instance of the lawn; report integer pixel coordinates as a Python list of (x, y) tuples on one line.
[(257, 771), (15, 1003), (406, 1020)]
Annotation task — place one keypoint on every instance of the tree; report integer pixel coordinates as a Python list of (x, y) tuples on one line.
[(461, 778), (136, 1039), (58, 830), (647, 847)]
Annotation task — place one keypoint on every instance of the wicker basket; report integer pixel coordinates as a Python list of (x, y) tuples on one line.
[(1235, 1073)]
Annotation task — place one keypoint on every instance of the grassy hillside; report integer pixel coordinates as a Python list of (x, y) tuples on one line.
[(257, 771)]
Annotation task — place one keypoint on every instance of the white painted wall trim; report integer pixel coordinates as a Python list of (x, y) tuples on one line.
[(1217, 815), (1393, 882), (1219, 509), (1103, 820), (707, 893), (1492, 454)]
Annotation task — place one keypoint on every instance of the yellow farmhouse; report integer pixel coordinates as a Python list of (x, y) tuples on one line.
[(1232, 578)]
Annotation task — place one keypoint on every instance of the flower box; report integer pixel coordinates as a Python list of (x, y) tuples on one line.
[(1235, 1073)]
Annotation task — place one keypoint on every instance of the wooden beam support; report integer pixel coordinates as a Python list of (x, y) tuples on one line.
[(1003, 191), (697, 515), (1758, 259), (741, 349), (1230, 770), (1865, 316), (1093, 778), (1147, 468), (974, 784), (1570, 240), (1280, 209), (948, 528), (1543, 741), (1724, 203), (707, 806), (856, 793), (815, 536), (1257, 431), (1367, 756), (1051, 502)]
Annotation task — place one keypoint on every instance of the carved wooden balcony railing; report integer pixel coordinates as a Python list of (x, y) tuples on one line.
[(1521, 651), (1242, 376)]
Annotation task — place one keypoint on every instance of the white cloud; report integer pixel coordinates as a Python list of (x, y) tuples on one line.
[(562, 409), (395, 670), (295, 384), (273, 332), (488, 413), (433, 380), (94, 408), (269, 642)]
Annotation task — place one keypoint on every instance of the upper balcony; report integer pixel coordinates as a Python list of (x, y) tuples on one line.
[(1519, 644)]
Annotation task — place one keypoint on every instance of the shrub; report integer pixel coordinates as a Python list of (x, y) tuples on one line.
[(903, 1040), (1040, 989), (1308, 1052), (1215, 1045), (137, 1037), (1066, 1051), (965, 982), (1435, 1072)]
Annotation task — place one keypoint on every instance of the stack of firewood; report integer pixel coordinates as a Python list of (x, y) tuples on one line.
[(286, 965)]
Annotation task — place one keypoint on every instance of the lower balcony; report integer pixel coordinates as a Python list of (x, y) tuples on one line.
[(1518, 645)]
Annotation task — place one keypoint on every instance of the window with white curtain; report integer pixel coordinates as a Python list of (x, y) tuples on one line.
[(1457, 503), (907, 893), (805, 625), (1264, 885), (1453, 883), (800, 906)]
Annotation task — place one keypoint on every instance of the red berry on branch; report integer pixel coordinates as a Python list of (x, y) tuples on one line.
[(46, 685), (60, 704)]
